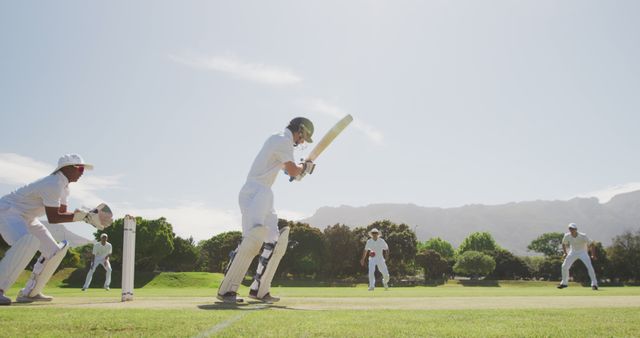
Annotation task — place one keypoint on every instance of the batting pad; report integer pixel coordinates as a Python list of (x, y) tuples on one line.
[(274, 261), (247, 250), (16, 259), (43, 270)]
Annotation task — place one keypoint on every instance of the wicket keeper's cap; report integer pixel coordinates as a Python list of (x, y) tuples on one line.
[(72, 159), (304, 125), (573, 226), (374, 231)]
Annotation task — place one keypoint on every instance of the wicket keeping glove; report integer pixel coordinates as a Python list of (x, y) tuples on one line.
[(100, 217)]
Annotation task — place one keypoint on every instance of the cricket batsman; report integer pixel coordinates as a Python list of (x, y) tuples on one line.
[(259, 221), (21, 229), (579, 245), (375, 249), (100, 254)]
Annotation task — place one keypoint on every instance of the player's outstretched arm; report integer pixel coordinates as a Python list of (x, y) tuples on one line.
[(58, 214)]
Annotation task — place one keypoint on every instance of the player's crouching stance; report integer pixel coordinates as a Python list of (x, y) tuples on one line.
[(579, 245), (259, 221), (375, 249), (21, 229), (100, 254)]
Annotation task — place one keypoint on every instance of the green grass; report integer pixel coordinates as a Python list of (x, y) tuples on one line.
[(458, 323), (23, 321), (55, 322), (98, 313)]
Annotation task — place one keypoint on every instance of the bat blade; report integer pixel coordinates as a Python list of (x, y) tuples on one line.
[(329, 137)]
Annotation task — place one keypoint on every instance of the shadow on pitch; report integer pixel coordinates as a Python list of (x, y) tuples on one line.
[(251, 305)]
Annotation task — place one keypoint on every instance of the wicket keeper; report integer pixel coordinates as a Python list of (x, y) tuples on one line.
[(21, 229)]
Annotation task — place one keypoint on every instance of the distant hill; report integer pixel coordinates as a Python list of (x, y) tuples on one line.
[(513, 225), (60, 232)]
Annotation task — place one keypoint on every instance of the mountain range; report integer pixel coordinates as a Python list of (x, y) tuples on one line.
[(513, 225), (60, 232)]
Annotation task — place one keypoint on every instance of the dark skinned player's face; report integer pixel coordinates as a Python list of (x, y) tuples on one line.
[(73, 172)]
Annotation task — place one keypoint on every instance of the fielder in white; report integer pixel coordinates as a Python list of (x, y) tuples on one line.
[(376, 248), (579, 245), (100, 256), (259, 221), (21, 229)]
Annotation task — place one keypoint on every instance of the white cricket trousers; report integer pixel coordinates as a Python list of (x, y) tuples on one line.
[(13, 227), (256, 205), (570, 259), (382, 266), (96, 262)]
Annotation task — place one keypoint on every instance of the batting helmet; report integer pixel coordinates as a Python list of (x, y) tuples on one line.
[(304, 125)]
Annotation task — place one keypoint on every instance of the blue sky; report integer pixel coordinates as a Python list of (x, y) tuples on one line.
[(455, 102)]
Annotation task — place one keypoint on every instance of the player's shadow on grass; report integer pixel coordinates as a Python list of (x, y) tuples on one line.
[(247, 306)]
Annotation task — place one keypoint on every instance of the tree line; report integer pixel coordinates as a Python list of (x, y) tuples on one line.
[(333, 254)]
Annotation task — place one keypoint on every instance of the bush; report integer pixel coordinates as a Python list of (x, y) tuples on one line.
[(474, 264)]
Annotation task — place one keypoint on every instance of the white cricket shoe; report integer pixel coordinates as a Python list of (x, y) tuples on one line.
[(37, 298), (268, 298), (230, 297), (370, 288), (4, 300), (107, 288)]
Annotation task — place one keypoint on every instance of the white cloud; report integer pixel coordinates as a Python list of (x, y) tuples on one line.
[(321, 106), (17, 170), (191, 219), (255, 72), (605, 195), (291, 215)]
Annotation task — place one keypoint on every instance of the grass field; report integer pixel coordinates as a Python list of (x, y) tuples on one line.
[(183, 304)]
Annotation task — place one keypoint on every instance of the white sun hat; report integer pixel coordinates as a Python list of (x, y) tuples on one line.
[(72, 159), (374, 230), (573, 226)]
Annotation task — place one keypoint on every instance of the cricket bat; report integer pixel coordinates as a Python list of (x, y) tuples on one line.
[(328, 138)]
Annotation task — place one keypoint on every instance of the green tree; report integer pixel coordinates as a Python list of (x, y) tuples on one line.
[(548, 244), (154, 241), (72, 259), (435, 267), (342, 252), (549, 269), (474, 264), (624, 254), (439, 245), (478, 241), (214, 252), (508, 266), (402, 241), (305, 252), (184, 257)]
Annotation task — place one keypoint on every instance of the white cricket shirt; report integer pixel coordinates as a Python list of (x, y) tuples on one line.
[(276, 151), (579, 243), (30, 200), (376, 246), (101, 251)]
